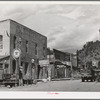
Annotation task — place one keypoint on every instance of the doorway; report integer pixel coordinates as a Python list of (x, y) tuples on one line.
[(13, 66)]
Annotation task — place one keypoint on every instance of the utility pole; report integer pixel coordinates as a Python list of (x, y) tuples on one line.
[(99, 35), (71, 66), (19, 47), (49, 67)]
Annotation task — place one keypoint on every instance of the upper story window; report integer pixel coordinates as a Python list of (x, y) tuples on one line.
[(26, 46), (36, 49), (44, 51), (14, 42), (1, 42)]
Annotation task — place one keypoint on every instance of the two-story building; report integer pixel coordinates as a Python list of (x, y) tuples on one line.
[(32, 46)]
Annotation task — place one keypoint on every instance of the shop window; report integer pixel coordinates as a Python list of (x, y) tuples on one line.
[(26, 67), (14, 42), (21, 63), (36, 49), (43, 51), (1, 65), (1, 42), (6, 66)]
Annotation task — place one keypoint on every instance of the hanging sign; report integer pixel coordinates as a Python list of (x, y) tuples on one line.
[(16, 53)]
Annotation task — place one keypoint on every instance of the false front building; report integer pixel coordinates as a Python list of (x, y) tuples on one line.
[(63, 64), (32, 45)]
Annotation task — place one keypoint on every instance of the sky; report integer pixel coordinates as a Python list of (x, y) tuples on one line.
[(67, 26)]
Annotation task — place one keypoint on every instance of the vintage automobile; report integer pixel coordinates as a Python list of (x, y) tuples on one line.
[(87, 77), (9, 79)]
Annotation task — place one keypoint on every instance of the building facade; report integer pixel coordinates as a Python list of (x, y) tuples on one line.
[(59, 64), (33, 47)]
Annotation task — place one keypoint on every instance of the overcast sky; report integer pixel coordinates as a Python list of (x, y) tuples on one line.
[(68, 27)]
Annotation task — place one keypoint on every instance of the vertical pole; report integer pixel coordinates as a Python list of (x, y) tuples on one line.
[(19, 45), (65, 72), (35, 70), (71, 66), (19, 70), (31, 72), (49, 67), (77, 58), (99, 35)]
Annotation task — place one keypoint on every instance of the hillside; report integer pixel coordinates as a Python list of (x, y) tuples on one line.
[(90, 52)]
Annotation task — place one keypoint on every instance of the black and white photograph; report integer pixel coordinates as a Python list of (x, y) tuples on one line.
[(49, 47)]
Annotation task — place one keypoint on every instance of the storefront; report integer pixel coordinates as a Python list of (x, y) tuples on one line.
[(62, 70), (4, 65), (43, 69)]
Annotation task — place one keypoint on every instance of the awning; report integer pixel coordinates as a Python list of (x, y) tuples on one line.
[(98, 70), (4, 57), (59, 63)]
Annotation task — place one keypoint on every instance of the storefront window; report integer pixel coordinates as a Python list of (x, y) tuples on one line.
[(26, 67), (26, 46), (1, 65), (43, 51), (35, 48), (14, 42)]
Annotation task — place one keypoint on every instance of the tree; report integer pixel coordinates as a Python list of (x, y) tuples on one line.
[(89, 52)]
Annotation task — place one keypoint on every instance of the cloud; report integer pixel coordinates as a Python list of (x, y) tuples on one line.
[(68, 27)]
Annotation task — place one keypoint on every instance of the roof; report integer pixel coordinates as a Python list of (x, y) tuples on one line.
[(23, 26), (3, 57), (97, 70)]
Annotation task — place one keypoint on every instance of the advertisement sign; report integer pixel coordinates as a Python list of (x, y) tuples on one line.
[(43, 62), (69, 63), (16, 53)]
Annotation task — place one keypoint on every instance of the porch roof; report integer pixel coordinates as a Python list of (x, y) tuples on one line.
[(4, 57)]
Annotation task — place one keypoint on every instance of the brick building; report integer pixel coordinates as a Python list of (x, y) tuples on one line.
[(32, 45)]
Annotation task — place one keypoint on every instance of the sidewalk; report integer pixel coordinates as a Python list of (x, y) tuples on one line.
[(59, 79), (55, 79)]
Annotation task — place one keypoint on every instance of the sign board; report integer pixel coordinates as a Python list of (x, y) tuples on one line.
[(61, 66), (69, 63), (16, 53), (43, 62)]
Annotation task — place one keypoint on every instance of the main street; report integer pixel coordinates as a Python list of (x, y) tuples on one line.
[(65, 85)]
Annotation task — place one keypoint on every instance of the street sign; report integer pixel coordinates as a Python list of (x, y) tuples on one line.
[(16, 53)]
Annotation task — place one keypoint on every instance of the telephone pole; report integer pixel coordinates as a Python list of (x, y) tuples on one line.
[(99, 35), (71, 66)]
